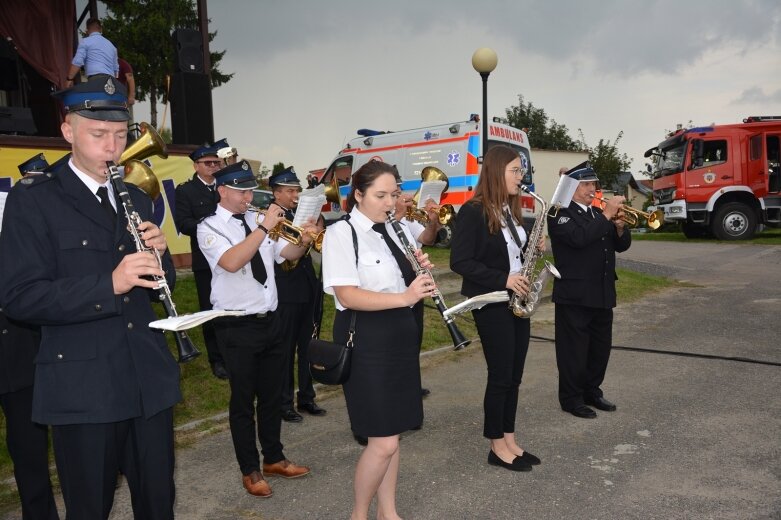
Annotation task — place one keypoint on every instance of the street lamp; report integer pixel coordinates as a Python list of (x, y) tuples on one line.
[(484, 62)]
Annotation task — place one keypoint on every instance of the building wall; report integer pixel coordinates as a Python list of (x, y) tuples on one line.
[(546, 168)]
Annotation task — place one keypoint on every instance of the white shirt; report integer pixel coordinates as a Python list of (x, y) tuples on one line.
[(239, 290), (377, 269), (93, 185), (513, 251), (413, 229)]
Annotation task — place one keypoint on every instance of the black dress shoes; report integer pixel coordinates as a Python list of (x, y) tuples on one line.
[(219, 371), (360, 439), (582, 411), (530, 459), (424, 392), (291, 415), (600, 403), (516, 465), (311, 409)]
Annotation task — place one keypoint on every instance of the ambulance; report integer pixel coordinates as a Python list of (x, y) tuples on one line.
[(454, 148)]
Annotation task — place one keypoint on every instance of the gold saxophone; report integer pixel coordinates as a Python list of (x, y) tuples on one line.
[(525, 306)]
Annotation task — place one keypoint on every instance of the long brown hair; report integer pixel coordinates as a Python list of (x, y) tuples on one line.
[(365, 176), (491, 191)]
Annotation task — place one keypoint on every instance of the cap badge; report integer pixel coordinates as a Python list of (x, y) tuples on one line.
[(109, 87), (244, 166)]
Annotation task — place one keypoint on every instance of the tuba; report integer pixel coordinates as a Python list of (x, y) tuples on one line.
[(525, 306), (137, 172)]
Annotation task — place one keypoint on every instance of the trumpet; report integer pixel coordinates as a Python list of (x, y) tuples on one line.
[(632, 216), (286, 230), (444, 214)]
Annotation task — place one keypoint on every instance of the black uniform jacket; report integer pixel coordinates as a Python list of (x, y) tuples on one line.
[(299, 285), (194, 202), (480, 257), (98, 360), (18, 347), (584, 251)]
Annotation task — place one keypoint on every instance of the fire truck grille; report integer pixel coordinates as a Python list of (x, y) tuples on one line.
[(664, 196)]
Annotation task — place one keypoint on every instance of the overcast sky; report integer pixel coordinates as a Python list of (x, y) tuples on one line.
[(309, 73)]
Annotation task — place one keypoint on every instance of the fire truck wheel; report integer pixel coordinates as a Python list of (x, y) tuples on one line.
[(734, 221)]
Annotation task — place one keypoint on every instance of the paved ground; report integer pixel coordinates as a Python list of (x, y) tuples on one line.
[(694, 436)]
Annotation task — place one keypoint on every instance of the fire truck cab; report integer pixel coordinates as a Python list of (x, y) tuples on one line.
[(720, 179), (454, 148)]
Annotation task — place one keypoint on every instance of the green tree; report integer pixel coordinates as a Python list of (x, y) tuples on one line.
[(141, 31), (544, 133), (280, 166), (606, 159)]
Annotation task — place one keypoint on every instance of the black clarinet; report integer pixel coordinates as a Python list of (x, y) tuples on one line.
[(459, 341), (184, 344)]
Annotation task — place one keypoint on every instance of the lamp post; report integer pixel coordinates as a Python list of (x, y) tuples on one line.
[(484, 61)]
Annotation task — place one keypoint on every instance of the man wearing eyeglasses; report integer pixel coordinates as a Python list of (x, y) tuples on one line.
[(196, 199)]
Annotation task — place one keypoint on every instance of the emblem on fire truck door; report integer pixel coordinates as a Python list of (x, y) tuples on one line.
[(709, 177)]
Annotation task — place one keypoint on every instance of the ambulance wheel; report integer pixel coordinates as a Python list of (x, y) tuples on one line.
[(444, 236), (734, 221)]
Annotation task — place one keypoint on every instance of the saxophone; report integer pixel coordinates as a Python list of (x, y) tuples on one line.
[(525, 306)]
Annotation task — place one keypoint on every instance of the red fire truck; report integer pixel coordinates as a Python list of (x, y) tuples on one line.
[(720, 179)]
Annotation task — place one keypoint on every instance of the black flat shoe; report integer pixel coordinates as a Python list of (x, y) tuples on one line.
[(582, 411), (363, 441), (219, 370), (291, 415), (516, 465), (528, 458), (424, 392), (311, 409), (600, 403)]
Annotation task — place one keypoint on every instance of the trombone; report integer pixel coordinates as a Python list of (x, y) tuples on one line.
[(632, 216)]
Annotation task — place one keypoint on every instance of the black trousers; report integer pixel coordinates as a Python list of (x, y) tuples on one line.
[(505, 340), (254, 357), (28, 445), (203, 284), (296, 324), (89, 457), (584, 336)]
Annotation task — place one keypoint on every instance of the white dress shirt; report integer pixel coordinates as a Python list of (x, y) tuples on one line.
[(513, 251), (93, 185), (377, 269), (239, 290)]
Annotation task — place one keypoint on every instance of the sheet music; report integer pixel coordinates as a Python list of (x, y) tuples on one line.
[(477, 302), (430, 190), (3, 196), (310, 202), (188, 321)]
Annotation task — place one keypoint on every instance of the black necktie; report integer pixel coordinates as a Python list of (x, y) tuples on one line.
[(105, 203), (591, 212), (406, 268), (258, 268)]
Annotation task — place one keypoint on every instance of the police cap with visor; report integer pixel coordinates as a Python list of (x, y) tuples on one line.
[(238, 176), (102, 97)]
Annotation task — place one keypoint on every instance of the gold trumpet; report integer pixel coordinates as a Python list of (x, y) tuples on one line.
[(653, 220), (286, 230), (445, 212)]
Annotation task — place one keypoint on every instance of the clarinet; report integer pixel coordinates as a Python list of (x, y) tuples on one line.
[(459, 341), (184, 345)]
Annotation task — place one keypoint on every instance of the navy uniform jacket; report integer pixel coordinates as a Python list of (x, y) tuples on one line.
[(194, 202), (98, 360), (584, 252), (480, 257), (18, 347), (299, 285)]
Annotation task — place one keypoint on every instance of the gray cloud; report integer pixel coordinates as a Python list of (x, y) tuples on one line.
[(755, 95)]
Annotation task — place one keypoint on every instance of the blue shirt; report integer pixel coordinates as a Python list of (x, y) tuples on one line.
[(97, 55)]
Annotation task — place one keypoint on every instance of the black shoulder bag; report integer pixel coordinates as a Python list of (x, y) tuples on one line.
[(329, 362)]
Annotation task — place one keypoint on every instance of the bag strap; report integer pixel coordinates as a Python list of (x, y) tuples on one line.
[(316, 329)]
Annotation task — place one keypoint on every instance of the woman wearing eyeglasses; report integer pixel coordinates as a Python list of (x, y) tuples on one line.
[(487, 251)]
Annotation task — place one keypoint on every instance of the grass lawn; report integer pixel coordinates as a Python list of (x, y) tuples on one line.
[(770, 236), (205, 395)]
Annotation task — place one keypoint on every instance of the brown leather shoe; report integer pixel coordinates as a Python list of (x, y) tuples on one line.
[(256, 485), (285, 468)]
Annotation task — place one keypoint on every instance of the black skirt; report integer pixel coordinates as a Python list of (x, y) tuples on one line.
[(383, 392)]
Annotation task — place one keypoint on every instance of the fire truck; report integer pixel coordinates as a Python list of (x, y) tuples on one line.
[(453, 148), (723, 180)]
